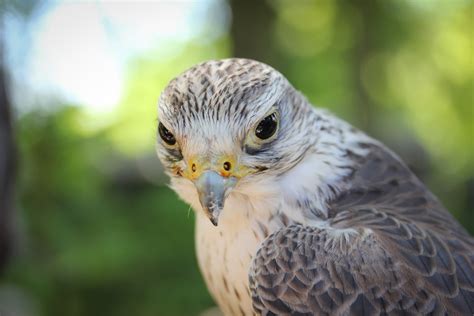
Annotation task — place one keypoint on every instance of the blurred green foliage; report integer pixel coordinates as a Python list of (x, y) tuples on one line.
[(99, 243), (99, 233)]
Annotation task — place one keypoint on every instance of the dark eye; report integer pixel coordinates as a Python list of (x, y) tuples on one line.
[(267, 127), (166, 135)]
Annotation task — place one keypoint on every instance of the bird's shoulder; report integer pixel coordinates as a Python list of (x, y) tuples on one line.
[(382, 182), (388, 246)]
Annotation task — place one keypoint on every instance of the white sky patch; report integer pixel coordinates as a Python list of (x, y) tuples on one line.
[(79, 49), (73, 54)]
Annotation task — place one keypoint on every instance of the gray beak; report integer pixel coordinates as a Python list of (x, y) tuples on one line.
[(213, 189)]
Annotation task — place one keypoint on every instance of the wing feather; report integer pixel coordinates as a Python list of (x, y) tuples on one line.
[(390, 248)]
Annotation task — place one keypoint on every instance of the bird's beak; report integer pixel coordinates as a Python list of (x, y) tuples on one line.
[(213, 189)]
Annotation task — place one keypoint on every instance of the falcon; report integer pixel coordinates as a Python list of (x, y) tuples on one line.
[(298, 212)]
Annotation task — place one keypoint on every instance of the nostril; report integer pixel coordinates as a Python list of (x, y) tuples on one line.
[(227, 166), (193, 167)]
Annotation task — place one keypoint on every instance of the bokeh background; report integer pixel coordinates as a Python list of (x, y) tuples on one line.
[(93, 228)]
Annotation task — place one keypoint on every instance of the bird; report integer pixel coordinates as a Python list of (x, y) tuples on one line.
[(297, 211)]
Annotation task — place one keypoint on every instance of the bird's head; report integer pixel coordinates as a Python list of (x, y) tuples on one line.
[(227, 124)]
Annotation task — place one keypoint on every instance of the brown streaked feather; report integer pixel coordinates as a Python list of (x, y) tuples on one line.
[(391, 248)]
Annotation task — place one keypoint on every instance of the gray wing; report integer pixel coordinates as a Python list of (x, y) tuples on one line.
[(390, 248)]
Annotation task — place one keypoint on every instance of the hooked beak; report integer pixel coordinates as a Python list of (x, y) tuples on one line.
[(213, 189)]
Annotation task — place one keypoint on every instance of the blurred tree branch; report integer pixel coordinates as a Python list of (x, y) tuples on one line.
[(7, 163), (252, 32), (8, 156)]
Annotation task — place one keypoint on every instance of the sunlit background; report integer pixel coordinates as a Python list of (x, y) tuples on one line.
[(96, 231)]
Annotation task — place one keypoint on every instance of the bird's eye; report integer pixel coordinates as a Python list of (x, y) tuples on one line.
[(267, 127), (166, 135)]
